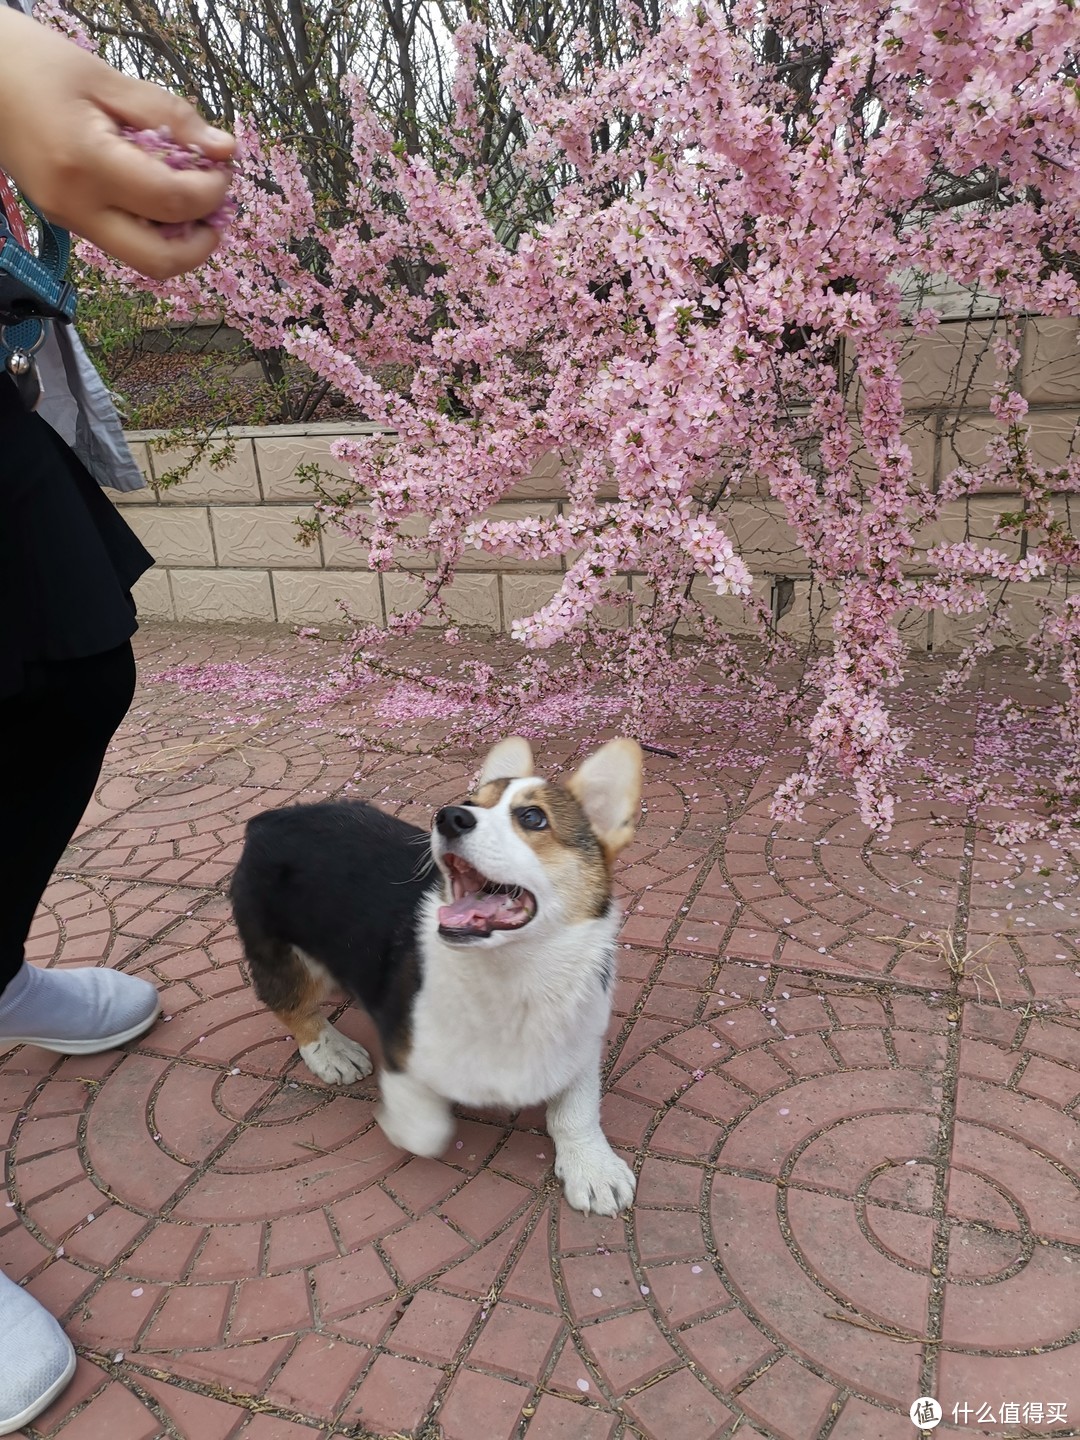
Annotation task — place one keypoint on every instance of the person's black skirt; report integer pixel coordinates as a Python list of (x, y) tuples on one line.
[(68, 560)]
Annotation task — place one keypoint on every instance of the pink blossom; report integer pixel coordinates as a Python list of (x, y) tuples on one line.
[(710, 314)]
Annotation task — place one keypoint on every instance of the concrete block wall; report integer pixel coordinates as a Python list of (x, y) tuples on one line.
[(227, 544)]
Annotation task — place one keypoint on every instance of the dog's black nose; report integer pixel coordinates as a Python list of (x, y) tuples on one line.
[(454, 820)]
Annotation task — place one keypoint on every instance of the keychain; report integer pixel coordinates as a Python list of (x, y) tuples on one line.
[(20, 364)]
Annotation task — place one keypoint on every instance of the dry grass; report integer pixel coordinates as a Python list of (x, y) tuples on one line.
[(175, 759), (961, 965)]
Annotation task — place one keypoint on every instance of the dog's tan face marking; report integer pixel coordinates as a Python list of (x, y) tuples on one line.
[(489, 794), (565, 820), (566, 846)]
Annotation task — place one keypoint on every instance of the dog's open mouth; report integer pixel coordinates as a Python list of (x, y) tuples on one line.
[(480, 906)]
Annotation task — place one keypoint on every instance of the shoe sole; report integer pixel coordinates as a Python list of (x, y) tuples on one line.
[(84, 1047), (16, 1422)]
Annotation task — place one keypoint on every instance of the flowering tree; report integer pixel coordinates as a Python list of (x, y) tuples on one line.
[(282, 66), (712, 306)]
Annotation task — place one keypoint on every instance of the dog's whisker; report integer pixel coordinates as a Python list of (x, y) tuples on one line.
[(425, 867)]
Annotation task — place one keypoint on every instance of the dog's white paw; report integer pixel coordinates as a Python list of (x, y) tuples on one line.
[(335, 1058), (594, 1179), (412, 1116), (426, 1130)]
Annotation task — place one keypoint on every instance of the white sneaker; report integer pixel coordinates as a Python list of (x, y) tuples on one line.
[(76, 1012), (37, 1359)]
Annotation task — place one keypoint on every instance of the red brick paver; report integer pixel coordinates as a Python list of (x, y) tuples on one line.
[(859, 1174)]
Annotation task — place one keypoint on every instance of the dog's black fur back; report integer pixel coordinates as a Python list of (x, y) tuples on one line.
[(341, 881)]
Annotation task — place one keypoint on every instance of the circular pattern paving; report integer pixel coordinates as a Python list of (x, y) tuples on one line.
[(809, 1209), (849, 1194), (826, 895)]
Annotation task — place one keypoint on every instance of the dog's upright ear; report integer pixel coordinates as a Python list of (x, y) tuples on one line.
[(510, 759), (607, 786)]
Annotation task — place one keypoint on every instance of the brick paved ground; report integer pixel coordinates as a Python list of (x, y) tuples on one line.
[(858, 1175)]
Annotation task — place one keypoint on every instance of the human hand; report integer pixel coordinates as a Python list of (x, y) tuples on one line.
[(61, 110)]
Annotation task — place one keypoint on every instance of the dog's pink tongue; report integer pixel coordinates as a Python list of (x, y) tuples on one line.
[(479, 914)]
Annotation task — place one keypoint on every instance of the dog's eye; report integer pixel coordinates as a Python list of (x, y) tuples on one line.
[(531, 818)]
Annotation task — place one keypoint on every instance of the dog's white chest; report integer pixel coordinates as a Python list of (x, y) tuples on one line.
[(507, 1045)]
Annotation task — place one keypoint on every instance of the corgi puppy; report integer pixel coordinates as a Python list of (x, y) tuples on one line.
[(484, 952)]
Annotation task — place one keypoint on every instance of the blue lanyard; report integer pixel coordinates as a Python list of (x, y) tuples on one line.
[(34, 288)]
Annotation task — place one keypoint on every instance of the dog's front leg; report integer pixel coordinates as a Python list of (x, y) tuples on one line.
[(412, 1116), (593, 1177)]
